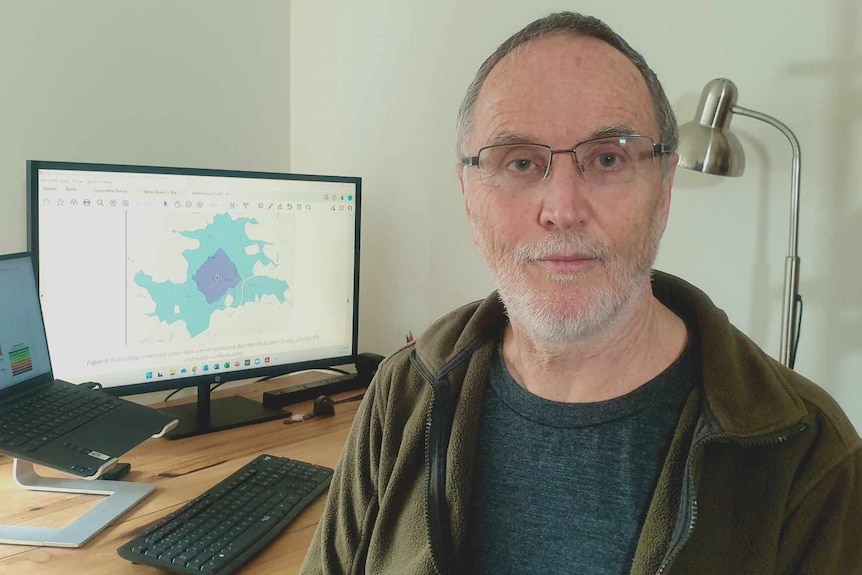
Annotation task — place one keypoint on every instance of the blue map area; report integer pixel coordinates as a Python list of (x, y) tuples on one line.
[(219, 267)]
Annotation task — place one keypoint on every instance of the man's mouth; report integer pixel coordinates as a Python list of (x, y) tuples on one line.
[(567, 263)]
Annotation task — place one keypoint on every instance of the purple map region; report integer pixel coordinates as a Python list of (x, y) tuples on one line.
[(216, 276)]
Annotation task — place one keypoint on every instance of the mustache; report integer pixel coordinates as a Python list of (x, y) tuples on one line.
[(561, 243)]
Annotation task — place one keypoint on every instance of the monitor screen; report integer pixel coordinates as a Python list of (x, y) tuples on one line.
[(158, 278)]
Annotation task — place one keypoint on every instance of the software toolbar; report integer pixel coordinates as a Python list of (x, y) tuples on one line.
[(127, 190)]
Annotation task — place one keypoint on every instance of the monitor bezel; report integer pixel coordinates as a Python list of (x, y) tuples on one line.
[(211, 379)]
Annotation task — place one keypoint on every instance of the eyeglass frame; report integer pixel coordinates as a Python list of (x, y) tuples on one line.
[(658, 149)]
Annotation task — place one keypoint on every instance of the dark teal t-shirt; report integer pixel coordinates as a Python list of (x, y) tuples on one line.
[(564, 487)]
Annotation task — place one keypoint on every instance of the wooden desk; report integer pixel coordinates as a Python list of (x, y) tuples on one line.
[(181, 470)]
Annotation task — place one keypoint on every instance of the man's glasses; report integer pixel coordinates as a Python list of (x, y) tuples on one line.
[(601, 161)]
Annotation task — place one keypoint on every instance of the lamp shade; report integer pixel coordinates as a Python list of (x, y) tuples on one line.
[(707, 145)]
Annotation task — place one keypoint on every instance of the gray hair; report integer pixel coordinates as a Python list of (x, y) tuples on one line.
[(577, 25)]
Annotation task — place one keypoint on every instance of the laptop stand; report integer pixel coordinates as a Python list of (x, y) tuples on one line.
[(122, 495)]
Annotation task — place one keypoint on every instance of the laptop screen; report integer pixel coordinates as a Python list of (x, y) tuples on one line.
[(23, 347)]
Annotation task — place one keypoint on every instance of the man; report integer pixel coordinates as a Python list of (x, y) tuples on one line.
[(591, 416)]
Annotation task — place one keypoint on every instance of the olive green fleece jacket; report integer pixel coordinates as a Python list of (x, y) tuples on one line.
[(763, 474)]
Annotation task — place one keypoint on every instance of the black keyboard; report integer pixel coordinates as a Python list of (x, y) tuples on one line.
[(32, 421), (228, 524)]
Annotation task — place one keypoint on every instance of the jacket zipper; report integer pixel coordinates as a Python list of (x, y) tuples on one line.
[(437, 434), (429, 477), (691, 492), (434, 562)]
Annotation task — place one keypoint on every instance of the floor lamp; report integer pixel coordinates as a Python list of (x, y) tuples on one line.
[(707, 145)]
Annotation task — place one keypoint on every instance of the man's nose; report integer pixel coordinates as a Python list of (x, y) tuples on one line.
[(564, 202)]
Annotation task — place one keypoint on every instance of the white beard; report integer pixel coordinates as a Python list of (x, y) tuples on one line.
[(551, 320)]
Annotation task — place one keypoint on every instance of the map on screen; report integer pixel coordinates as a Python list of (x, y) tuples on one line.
[(228, 267)]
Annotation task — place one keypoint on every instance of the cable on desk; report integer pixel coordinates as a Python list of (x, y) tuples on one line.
[(322, 406)]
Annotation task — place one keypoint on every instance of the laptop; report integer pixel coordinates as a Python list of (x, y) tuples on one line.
[(72, 428)]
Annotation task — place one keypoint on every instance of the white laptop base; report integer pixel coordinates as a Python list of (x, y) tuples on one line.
[(122, 495)]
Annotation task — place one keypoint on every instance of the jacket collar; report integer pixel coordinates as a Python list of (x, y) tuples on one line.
[(452, 338), (746, 392)]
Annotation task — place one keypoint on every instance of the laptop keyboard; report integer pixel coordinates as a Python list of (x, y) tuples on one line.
[(50, 413)]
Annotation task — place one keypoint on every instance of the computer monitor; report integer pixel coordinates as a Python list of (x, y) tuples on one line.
[(158, 278)]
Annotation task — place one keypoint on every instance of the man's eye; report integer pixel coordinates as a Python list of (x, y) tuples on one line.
[(608, 160), (522, 165)]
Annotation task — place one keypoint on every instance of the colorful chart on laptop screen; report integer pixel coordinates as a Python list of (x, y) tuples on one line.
[(20, 360)]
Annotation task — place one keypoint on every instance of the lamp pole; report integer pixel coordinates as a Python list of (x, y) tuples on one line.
[(790, 305)]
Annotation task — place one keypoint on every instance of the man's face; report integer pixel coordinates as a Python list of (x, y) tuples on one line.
[(569, 257)]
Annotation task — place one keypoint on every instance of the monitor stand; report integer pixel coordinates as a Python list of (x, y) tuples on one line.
[(122, 495), (208, 415)]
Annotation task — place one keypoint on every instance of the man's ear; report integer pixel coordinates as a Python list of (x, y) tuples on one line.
[(667, 182), (462, 179)]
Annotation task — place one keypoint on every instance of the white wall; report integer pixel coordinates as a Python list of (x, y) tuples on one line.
[(375, 86), (195, 83)]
